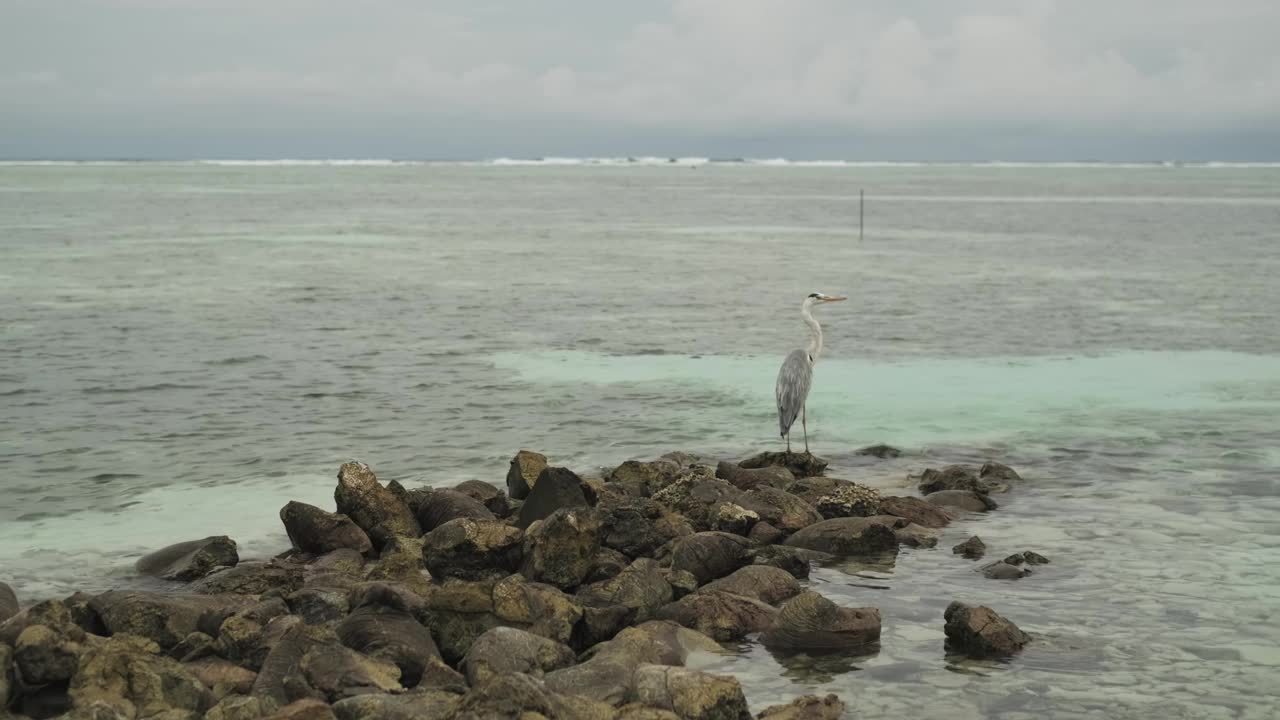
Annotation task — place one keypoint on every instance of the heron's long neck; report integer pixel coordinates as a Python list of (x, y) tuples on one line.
[(815, 343)]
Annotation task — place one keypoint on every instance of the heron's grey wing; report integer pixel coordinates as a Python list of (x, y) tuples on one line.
[(793, 387)]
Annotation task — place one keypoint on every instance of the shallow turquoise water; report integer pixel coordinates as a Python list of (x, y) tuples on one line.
[(186, 348)]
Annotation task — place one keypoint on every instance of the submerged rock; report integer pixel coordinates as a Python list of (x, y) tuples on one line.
[(556, 488), (973, 548), (472, 549), (951, 477), (998, 476), (316, 531), (505, 650), (523, 474), (690, 694), (793, 560), (962, 500), (846, 536), (881, 451), (980, 632), (1028, 557), (917, 510), (802, 464), (1001, 570), (376, 509), (809, 707), (810, 621), (189, 560)]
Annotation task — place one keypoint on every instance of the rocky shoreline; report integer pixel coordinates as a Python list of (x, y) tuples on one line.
[(554, 597)]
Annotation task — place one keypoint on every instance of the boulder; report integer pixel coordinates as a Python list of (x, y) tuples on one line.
[(810, 489), (1001, 570), (472, 549), (305, 709), (278, 676), (951, 477), (733, 518), (195, 646), (239, 707), (222, 677), (521, 697), (682, 582), (973, 548), (809, 707), (962, 500), (248, 636), (377, 510), (599, 624), (458, 612), (561, 549), (762, 533), (6, 659), (980, 632), (846, 536), (164, 618), (852, 500), (802, 464), (45, 655), (638, 526), (491, 496), (505, 650), (769, 585), (540, 609), (795, 561), (751, 478), (781, 509), (390, 633), (690, 694), (401, 562), (642, 586), (912, 535), (317, 531), (720, 615), (1028, 557), (998, 476), (437, 507), (421, 705), (879, 450), (335, 672), (556, 488), (697, 497), (810, 621), (607, 669), (189, 560), (917, 510), (709, 555), (343, 561), (526, 466), (605, 564), (253, 578), (8, 603), (127, 674)]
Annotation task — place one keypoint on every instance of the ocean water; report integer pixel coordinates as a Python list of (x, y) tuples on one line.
[(185, 347)]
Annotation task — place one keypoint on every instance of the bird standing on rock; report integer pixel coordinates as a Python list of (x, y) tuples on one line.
[(796, 374)]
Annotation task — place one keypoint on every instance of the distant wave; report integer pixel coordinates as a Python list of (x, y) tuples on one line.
[(655, 161)]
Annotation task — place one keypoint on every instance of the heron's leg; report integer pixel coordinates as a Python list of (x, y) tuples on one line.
[(788, 437), (805, 426)]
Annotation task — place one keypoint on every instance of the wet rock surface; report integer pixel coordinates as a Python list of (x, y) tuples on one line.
[(810, 621), (318, 531), (523, 473), (980, 632), (186, 561), (801, 464), (846, 536), (962, 500), (973, 548), (376, 509), (809, 707)]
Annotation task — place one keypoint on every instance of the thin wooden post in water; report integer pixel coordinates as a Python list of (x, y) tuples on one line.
[(860, 198)]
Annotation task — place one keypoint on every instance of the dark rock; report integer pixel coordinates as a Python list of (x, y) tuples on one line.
[(305, 709), (248, 636), (802, 464), (561, 549), (51, 701), (6, 659), (973, 548), (437, 507), (493, 498), (556, 488), (762, 533), (281, 665), (1001, 570), (426, 705), (607, 670), (317, 531), (809, 707), (505, 650), (639, 526), (540, 609), (690, 694), (189, 560), (880, 450), (391, 634), (719, 615), (795, 561), (917, 510), (162, 617), (222, 677), (526, 466), (516, 696), (912, 535), (472, 549), (45, 655), (389, 594), (980, 632), (599, 624), (83, 615), (642, 587), (951, 477), (696, 498), (336, 672), (751, 478), (193, 647), (239, 707), (811, 489), (682, 582), (769, 585), (253, 578), (343, 561), (781, 509), (709, 555), (962, 500), (1029, 557), (127, 674), (733, 518), (658, 474), (998, 476), (846, 536), (606, 563), (458, 612), (401, 562), (810, 621), (377, 510), (852, 500)]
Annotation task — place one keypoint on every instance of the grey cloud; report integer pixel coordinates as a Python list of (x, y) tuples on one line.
[(484, 78)]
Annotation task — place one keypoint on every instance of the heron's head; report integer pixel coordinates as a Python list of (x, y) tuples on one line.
[(822, 298)]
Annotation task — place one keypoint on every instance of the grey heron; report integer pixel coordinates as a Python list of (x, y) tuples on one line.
[(796, 374)]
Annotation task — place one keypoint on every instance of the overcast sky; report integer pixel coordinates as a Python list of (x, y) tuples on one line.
[(854, 79)]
